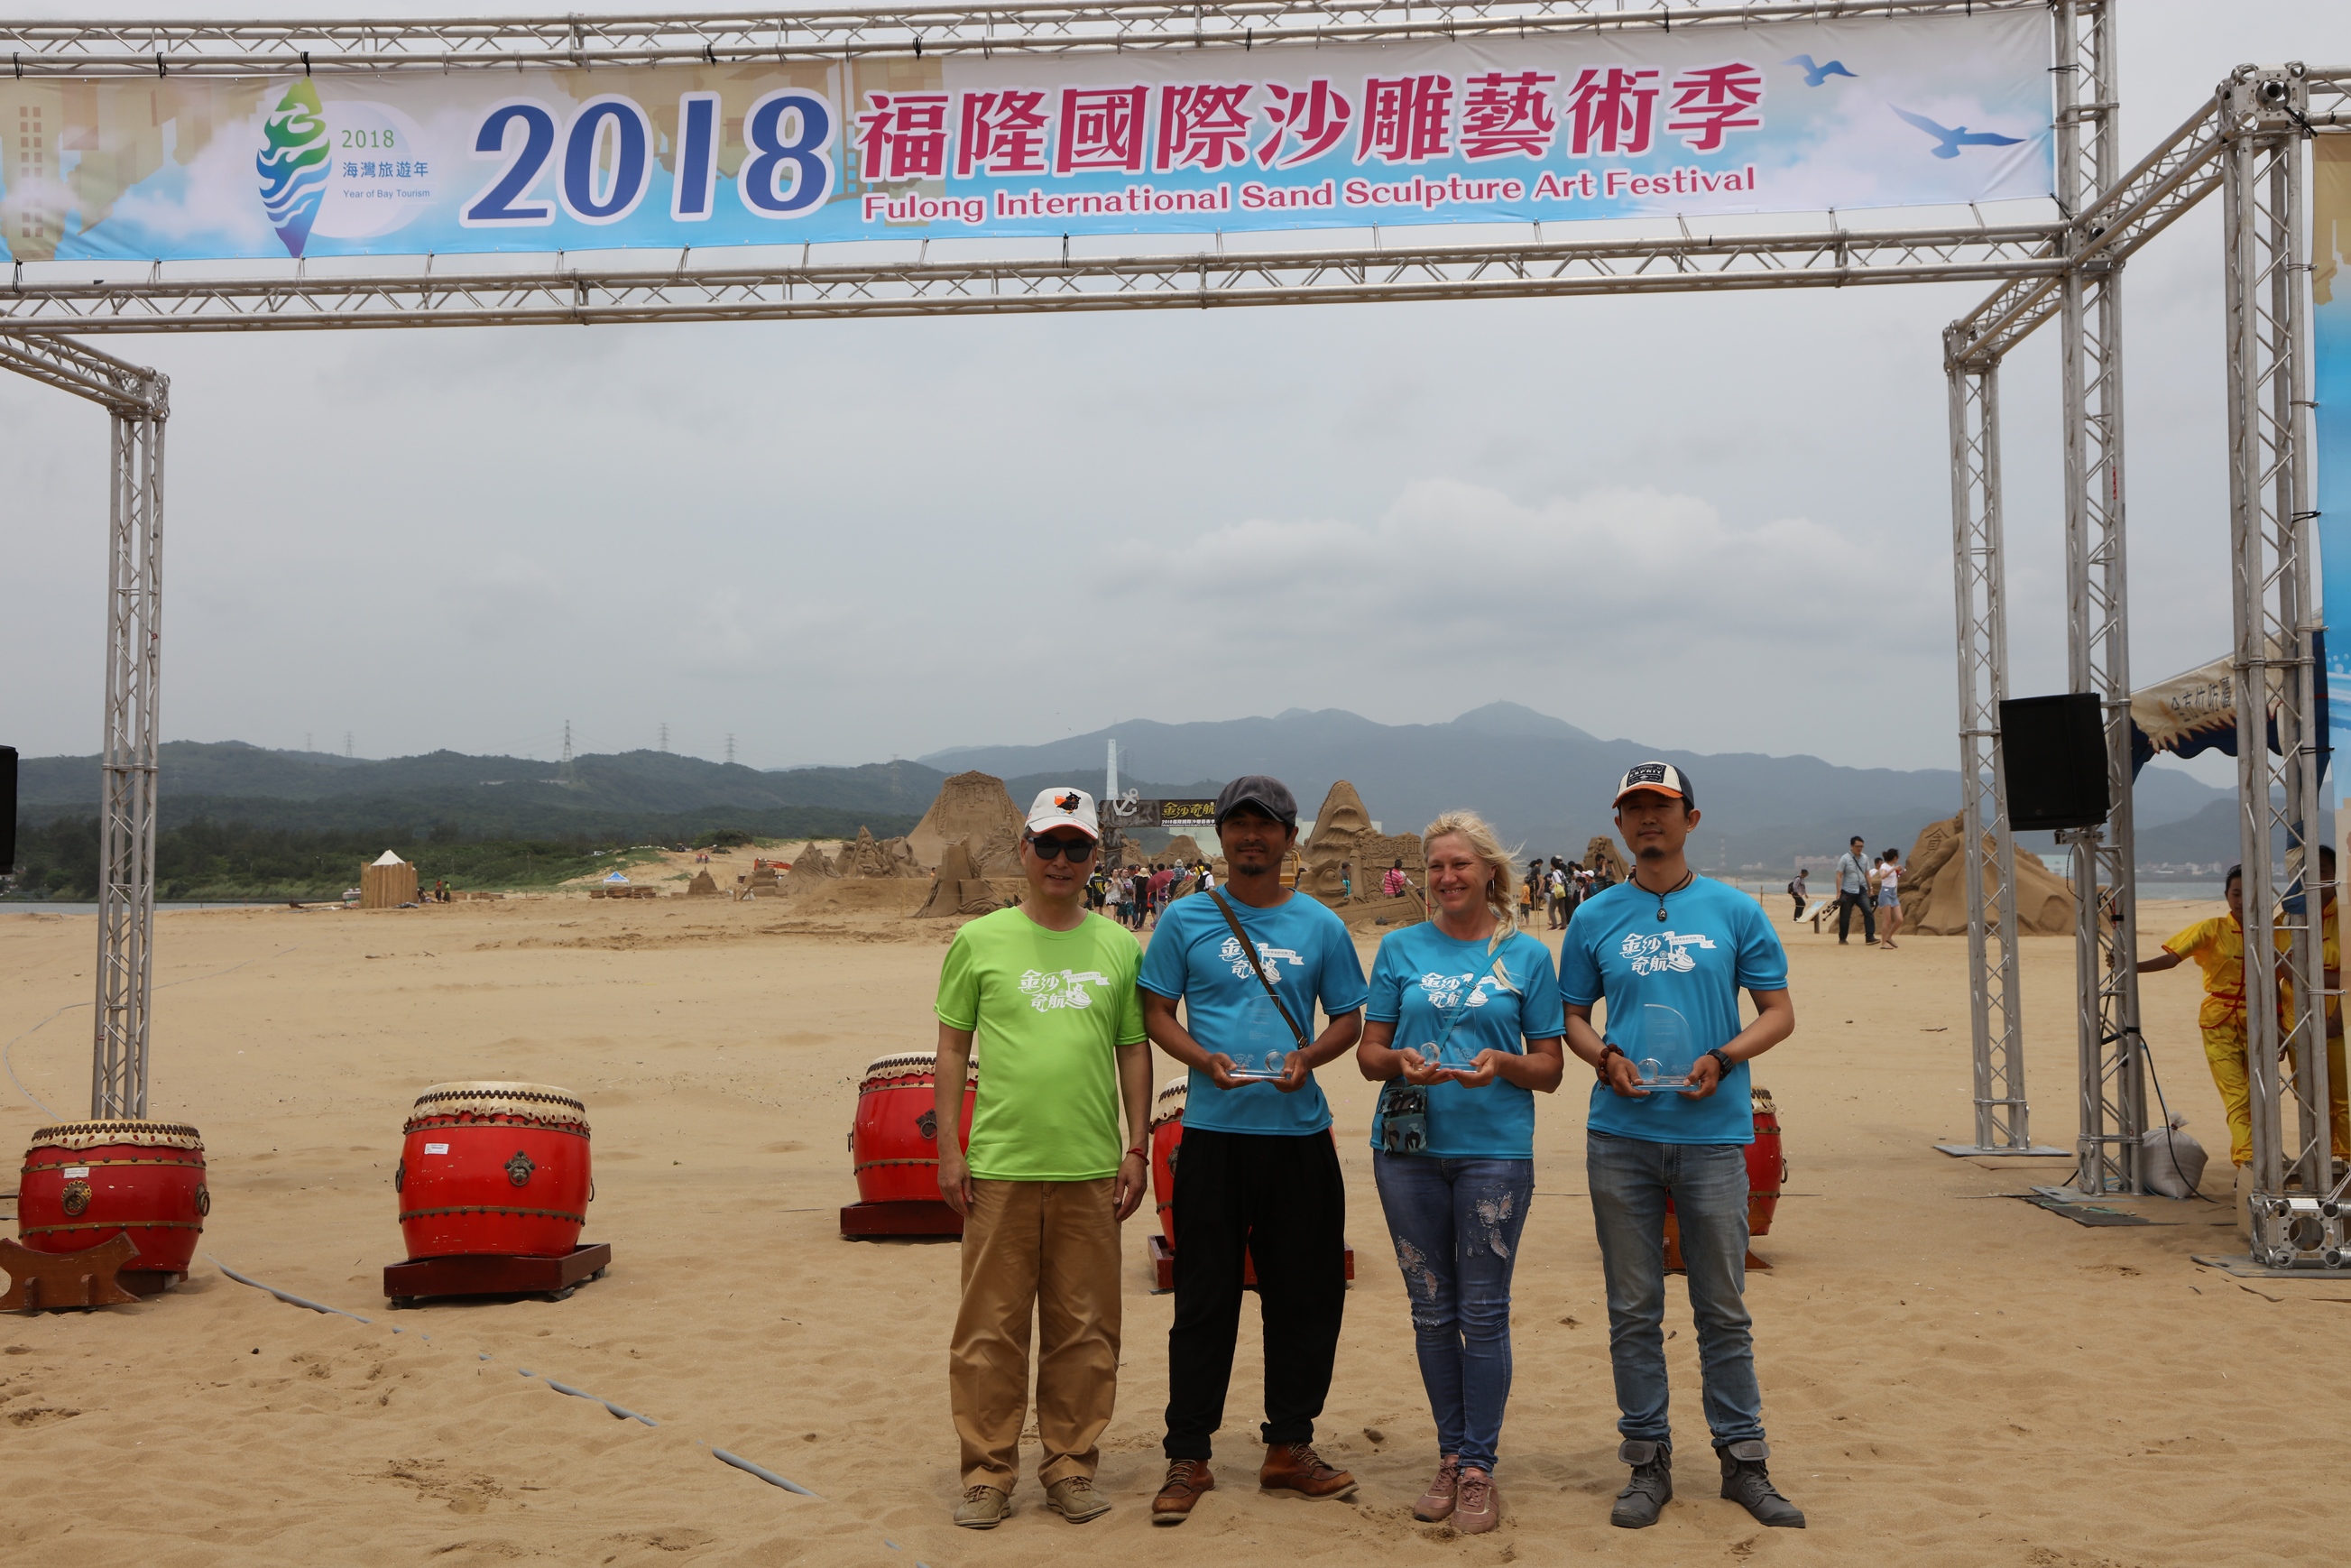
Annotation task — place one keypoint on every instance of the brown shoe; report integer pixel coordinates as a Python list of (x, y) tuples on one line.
[(1435, 1504), (1296, 1467), (1478, 1510), (1186, 1480)]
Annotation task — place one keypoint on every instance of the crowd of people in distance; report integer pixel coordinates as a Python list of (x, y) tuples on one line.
[(1465, 1017), (1136, 895)]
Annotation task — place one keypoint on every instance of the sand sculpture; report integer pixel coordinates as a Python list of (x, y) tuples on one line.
[(959, 889), (704, 885), (1935, 888), (871, 857), (973, 808), (1602, 854), (1182, 849), (763, 877), (810, 870), (1343, 836)]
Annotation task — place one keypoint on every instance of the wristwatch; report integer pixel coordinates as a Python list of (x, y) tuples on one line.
[(1724, 1061)]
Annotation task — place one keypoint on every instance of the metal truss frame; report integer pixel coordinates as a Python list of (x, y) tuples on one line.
[(155, 48), (140, 402), (2297, 1203)]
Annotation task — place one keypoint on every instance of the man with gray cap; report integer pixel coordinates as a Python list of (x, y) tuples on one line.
[(1258, 1174)]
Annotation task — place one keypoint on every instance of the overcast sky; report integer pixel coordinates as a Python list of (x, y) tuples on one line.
[(1714, 522)]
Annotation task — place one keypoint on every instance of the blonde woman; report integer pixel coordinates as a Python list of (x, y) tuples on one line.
[(1477, 1003)]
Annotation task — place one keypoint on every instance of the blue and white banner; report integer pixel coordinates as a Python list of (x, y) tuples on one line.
[(1779, 117), (2331, 378)]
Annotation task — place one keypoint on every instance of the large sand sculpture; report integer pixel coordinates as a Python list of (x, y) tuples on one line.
[(1602, 853), (1935, 888), (871, 857), (1343, 835), (960, 889), (971, 807), (810, 869)]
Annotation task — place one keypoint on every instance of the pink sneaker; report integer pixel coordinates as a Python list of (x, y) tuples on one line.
[(1476, 1509), (1436, 1503)]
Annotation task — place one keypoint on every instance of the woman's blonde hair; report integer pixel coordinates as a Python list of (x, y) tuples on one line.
[(1478, 834)]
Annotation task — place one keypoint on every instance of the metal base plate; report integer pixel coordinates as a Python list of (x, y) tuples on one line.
[(1973, 1152), (2244, 1268)]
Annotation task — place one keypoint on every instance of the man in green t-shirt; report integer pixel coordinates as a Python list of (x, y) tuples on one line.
[(1048, 992)]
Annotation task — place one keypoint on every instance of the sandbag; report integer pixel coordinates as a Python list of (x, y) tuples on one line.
[(2170, 1161)]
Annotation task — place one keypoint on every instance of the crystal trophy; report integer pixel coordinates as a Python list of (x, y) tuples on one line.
[(1667, 1055), (1266, 1042)]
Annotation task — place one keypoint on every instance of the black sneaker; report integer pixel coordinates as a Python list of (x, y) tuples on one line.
[(1651, 1488), (1747, 1483)]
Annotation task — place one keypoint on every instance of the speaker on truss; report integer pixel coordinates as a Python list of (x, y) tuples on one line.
[(7, 810), (2054, 753)]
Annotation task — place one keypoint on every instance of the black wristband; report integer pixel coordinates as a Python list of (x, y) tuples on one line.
[(1726, 1061)]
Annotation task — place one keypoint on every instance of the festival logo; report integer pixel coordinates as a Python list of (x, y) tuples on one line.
[(1446, 990), (293, 164), (1270, 957), (1664, 953), (1065, 989)]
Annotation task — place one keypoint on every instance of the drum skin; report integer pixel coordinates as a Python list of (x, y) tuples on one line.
[(892, 1141), (86, 1182), (1166, 1134), (494, 1169)]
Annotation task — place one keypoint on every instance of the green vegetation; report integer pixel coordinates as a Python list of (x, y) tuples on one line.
[(226, 860)]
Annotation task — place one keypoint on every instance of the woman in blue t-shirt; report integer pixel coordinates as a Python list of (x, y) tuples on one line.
[(1476, 1002)]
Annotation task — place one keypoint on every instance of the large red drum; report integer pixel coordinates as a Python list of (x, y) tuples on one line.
[(1767, 1166), (87, 1182), (494, 1169), (1167, 1134), (894, 1142)]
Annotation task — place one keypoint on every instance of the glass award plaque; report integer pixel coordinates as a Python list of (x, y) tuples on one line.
[(1265, 1044), (1666, 1056)]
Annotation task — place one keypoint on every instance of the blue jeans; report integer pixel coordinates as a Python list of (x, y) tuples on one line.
[(1630, 1180), (1455, 1225)]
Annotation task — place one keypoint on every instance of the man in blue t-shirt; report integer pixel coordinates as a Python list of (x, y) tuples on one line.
[(1670, 950), (1258, 1175)]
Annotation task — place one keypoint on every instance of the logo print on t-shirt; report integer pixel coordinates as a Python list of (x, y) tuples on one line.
[(1067, 988), (1266, 953), (1444, 990), (1664, 951)]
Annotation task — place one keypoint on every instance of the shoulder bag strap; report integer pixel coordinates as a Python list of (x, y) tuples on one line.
[(1248, 951), (1453, 1016)]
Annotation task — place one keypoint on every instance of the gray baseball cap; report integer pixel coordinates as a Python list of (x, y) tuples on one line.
[(1270, 795)]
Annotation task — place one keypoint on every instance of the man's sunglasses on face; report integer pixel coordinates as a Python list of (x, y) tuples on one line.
[(1078, 847)]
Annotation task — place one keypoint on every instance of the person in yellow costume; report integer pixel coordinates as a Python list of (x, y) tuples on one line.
[(2218, 945), (2338, 1092)]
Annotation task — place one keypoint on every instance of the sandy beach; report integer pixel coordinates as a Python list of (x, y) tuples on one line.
[(1952, 1377)]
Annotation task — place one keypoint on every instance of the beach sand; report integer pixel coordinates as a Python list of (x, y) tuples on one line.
[(1951, 1376)]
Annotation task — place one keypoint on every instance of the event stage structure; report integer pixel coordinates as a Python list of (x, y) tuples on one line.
[(2249, 142)]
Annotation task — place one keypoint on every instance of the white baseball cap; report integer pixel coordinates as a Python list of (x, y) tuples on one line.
[(1062, 807)]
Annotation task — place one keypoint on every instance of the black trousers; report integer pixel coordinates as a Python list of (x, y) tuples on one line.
[(1281, 1197), (1849, 902)]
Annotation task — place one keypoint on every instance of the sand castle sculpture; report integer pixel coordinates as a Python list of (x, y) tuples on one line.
[(1343, 835), (972, 807), (810, 869), (1602, 854), (1935, 887), (867, 856), (959, 889), (704, 885)]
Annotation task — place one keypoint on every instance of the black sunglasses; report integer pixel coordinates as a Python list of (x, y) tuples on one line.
[(1077, 848)]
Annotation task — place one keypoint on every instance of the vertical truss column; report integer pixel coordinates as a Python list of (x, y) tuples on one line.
[(2298, 1186), (1988, 858), (126, 910), (2097, 643)]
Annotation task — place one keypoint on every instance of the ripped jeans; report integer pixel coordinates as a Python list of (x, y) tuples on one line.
[(1455, 1225)]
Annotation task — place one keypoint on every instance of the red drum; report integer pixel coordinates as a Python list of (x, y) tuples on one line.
[(1767, 1167), (1166, 1134), (499, 1169), (894, 1140), (86, 1182)]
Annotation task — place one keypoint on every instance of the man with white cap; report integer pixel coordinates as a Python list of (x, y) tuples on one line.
[(1259, 1176), (1048, 991), (1670, 950)]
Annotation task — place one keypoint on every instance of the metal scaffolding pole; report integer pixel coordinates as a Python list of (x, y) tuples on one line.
[(2297, 1200), (139, 401), (2097, 643), (2003, 1120)]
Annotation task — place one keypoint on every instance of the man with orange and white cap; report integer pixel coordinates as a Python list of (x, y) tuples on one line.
[(1048, 991), (1671, 1119)]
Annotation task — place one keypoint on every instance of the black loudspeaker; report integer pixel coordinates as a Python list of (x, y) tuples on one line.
[(7, 810), (2055, 758)]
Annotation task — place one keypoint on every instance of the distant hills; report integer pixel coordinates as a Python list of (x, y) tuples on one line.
[(1542, 781)]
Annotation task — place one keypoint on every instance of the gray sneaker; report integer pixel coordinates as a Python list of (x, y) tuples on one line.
[(1747, 1483), (982, 1508), (1651, 1488)]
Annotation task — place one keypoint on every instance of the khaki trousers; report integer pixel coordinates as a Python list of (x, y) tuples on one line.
[(1050, 1247)]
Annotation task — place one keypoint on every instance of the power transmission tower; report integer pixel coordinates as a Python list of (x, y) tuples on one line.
[(566, 773), (347, 743), (664, 738), (306, 739), (730, 748)]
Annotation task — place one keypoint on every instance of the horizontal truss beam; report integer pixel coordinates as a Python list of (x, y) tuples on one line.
[(158, 48), (1386, 273), (131, 391)]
